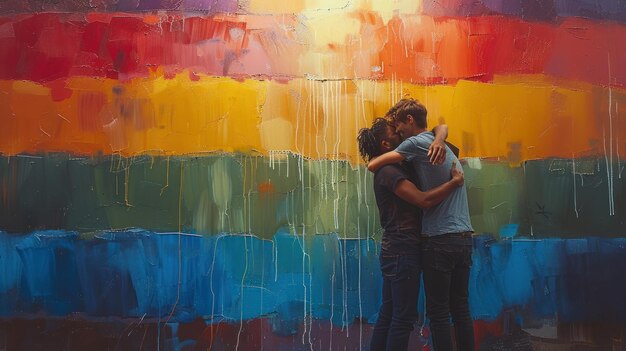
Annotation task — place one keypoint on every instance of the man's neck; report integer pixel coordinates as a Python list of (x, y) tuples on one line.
[(418, 131)]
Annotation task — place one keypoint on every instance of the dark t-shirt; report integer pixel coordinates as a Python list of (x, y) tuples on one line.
[(401, 221)]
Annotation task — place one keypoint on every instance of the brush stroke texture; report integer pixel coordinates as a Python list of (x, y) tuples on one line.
[(542, 198), (411, 48), (233, 277), (535, 10), (538, 10), (86, 6), (525, 117)]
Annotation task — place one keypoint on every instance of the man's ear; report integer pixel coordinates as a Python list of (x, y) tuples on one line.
[(410, 119)]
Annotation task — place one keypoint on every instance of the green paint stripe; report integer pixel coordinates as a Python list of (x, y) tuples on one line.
[(259, 195)]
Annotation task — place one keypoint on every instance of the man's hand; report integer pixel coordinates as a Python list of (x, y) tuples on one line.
[(437, 152), (457, 175)]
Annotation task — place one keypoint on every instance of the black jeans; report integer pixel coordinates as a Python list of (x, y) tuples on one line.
[(446, 262), (398, 313)]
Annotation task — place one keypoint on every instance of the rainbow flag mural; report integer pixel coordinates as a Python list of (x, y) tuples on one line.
[(184, 175)]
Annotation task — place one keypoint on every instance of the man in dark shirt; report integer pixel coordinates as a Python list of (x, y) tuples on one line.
[(397, 198)]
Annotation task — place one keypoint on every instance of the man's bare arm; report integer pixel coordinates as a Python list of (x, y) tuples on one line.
[(408, 192), (437, 150), (441, 132), (387, 158)]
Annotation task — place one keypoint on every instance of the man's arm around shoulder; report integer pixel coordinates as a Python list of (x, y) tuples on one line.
[(388, 158)]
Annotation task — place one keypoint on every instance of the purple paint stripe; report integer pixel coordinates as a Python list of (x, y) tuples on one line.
[(542, 10), (208, 7)]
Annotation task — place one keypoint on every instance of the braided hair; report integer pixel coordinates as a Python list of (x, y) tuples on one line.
[(370, 139)]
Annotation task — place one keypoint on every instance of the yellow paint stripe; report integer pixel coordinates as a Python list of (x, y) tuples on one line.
[(516, 117)]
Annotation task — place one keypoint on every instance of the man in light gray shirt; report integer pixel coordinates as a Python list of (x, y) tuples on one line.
[(452, 214), (446, 230)]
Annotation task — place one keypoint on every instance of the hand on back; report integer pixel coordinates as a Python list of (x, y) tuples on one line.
[(457, 175)]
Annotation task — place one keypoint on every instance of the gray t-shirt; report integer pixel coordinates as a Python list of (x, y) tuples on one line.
[(452, 214)]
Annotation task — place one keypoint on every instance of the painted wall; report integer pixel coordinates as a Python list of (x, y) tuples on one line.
[(182, 175)]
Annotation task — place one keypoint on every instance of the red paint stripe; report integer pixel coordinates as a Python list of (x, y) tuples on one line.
[(416, 49)]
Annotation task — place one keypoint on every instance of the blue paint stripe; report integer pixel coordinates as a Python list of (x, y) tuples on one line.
[(231, 277)]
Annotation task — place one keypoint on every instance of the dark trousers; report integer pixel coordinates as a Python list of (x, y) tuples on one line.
[(446, 263), (398, 313)]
